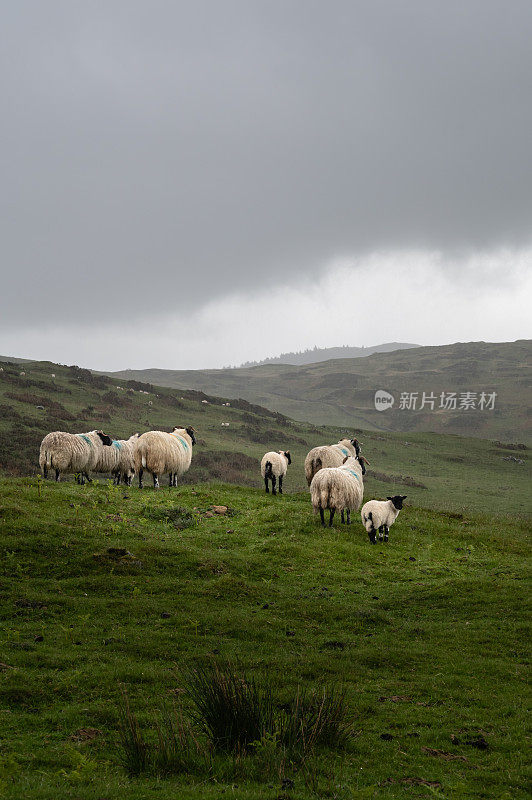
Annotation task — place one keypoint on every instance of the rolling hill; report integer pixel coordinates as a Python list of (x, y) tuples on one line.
[(341, 392), (436, 471)]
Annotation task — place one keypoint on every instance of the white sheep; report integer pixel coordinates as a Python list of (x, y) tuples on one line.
[(119, 459), (160, 452), (339, 488), (379, 515), (72, 452), (331, 455), (274, 465)]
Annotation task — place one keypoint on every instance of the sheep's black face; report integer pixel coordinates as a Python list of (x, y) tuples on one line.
[(287, 455), (361, 462), (104, 438), (397, 500), (356, 445), (190, 431)]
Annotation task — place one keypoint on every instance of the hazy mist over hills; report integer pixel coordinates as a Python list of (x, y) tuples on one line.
[(312, 356)]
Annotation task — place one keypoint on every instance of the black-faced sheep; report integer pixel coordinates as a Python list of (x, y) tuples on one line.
[(331, 455), (273, 466), (72, 452), (339, 488), (379, 515), (160, 452)]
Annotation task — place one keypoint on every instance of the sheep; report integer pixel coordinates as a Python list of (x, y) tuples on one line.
[(379, 515), (119, 459), (339, 488), (331, 455), (274, 465), (161, 452), (72, 452)]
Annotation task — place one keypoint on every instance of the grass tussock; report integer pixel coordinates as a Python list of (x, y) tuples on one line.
[(232, 714)]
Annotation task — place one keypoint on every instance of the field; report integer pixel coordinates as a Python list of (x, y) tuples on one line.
[(341, 391), (113, 596), (427, 635)]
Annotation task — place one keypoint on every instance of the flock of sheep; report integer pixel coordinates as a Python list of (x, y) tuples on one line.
[(334, 472), (335, 476)]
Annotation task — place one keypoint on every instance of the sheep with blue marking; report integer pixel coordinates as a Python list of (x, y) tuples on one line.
[(331, 455), (119, 459), (72, 453), (159, 452), (339, 489), (379, 515), (273, 467)]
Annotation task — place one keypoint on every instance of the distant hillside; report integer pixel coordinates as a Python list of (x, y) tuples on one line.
[(317, 354), (52, 397), (342, 391)]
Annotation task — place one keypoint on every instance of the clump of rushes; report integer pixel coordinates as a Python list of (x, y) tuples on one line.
[(318, 718), (231, 709)]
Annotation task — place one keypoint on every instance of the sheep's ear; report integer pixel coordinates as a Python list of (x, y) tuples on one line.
[(404, 496), (288, 457), (345, 459), (389, 498), (190, 431)]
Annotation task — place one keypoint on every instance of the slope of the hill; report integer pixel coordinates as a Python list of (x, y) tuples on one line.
[(342, 392), (106, 591), (436, 471)]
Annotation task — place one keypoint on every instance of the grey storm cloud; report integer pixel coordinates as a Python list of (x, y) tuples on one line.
[(157, 155)]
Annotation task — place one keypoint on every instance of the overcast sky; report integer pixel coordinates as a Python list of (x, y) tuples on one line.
[(197, 184)]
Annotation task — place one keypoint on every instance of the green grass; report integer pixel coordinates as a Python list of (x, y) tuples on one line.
[(427, 635)]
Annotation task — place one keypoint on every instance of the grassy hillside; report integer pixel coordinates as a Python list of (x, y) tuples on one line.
[(446, 472), (426, 635), (341, 392)]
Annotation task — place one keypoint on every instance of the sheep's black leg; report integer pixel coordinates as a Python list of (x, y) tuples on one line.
[(273, 484), (348, 512), (82, 479), (170, 480), (57, 475), (280, 484), (141, 473), (372, 536), (322, 517), (331, 517), (386, 532), (87, 476), (155, 481), (342, 516), (381, 532), (266, 485), (45, 472)]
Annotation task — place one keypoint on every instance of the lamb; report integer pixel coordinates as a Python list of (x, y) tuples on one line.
[(274, 465), (331, 455), (72, 452), (119, 459), (161, 452), (379, 515), (339, 488)]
